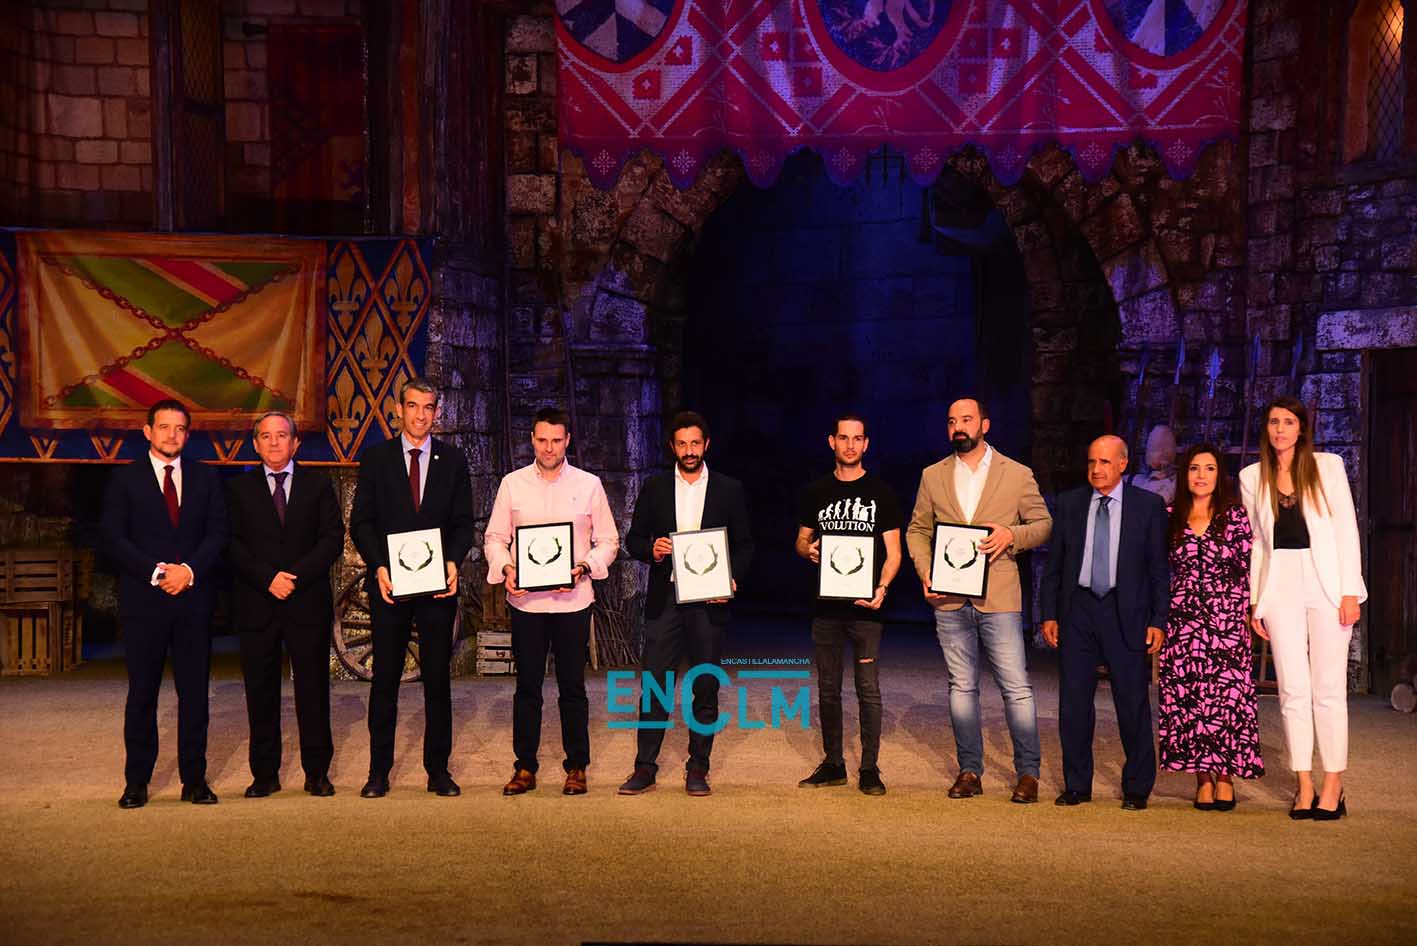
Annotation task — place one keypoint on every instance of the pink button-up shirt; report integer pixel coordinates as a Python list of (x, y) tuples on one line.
[(526, 498)]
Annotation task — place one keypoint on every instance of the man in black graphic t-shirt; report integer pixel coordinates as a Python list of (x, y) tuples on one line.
[(849, 501)]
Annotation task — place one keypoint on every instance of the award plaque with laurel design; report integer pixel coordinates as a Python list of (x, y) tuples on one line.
[(848, 567), (702, 570), (957, 565), (416, 563), (545, 556)]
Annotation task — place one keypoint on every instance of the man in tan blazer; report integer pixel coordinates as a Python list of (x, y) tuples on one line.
[(980, 486)]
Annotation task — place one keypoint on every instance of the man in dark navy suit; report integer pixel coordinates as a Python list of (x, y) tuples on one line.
[(412, 482), (286, 532), (688, 499), (1105, 597), (164, 525)]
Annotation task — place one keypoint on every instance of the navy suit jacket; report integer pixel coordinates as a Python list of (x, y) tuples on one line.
[(725, 504), (384, 505), (138, 534), (1143, 571)]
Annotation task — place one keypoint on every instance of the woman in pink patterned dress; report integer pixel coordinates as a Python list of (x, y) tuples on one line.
[(1209, 720)]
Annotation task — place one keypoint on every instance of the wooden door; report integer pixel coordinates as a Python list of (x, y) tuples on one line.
[(1391, 612)]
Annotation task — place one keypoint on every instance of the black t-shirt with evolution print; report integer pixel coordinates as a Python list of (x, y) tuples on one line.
[(864, 506)]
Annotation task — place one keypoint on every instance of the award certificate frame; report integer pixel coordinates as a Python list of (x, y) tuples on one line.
[(703, 570), (546, 556), (847, 571), (416, 563), (957, 565)]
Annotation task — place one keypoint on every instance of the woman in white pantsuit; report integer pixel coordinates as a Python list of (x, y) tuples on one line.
[(1306, 583)]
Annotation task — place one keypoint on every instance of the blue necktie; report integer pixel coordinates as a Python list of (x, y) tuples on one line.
[(1102, 549)]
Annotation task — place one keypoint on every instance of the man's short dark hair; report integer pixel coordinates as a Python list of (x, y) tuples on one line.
[(169, 404), (419, 383), (983, 408), (836, 424), (687, 419), (554, 416)]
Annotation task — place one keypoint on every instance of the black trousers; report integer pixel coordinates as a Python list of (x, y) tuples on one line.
[(309, 649), (392, 630), (1091, 634), (147, 641), (567, 635), (679, 632), (830, 636)]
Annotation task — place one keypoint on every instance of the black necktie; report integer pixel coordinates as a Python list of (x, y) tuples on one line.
[(279, 494)]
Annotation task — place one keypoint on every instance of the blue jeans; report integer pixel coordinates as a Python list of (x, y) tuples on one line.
[(961, 634)]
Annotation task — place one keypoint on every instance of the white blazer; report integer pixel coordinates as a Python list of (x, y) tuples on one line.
[(1333, 534)]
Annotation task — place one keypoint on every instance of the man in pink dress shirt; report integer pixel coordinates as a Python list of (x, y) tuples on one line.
[(551, 490)]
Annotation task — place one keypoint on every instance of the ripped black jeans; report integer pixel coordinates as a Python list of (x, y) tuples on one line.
[(830, 636)]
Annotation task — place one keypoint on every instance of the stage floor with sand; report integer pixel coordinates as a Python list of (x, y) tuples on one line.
[(760, 861)]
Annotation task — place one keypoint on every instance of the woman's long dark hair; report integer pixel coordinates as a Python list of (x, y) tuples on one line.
[(1303, 471), (1220, 501)]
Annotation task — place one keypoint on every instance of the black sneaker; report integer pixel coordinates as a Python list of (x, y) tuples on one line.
[(639, 782), (825, 774), (871, 783)]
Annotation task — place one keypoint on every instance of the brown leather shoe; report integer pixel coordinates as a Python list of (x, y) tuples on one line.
[(521, 783), (575, 782), (966, 786), (1026, 791)]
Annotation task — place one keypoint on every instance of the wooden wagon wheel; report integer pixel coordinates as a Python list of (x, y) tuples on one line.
[(354, 635)]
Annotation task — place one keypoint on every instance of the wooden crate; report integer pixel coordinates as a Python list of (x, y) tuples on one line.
[(41, 591), (32, 639), (488, 668)]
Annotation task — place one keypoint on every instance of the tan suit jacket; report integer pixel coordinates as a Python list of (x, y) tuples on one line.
[(1010, 498)]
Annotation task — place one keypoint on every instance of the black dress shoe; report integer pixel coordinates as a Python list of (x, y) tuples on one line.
[(376, 787), (199, 794), (1326, 814), (1071, 798), (319, 786), (444, 785), (263, 788), (134, 796), (1134, 803), (1303, 814)]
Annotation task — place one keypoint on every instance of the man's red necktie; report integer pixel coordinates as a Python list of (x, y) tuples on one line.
[(413, 476), (169, 493)]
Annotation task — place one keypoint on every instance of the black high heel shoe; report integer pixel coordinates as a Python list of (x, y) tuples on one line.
[(1224, 804), (1303, 814), (1199, 805), (1324, 814)]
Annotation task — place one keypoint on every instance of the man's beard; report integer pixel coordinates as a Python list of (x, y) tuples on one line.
[(688, 464), (168, 452), (849, 464), (963, 443)]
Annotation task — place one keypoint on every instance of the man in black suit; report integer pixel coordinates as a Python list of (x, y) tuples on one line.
[(164, 525), (687, 499), (412, 482), (286, 532), (1108, 582)]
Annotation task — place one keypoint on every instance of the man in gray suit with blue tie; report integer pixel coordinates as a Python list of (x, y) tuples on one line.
[(1108, 581)]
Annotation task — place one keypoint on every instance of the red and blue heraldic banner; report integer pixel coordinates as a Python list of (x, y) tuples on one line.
[(96, 327), (690, 78)]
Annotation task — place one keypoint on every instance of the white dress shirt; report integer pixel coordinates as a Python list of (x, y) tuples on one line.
[(288, 470), (689, 499), (969, 484), (158, 464)]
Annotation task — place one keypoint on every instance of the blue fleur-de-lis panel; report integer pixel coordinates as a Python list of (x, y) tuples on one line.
[(1163, 27), (883, 35), (617, 30)]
